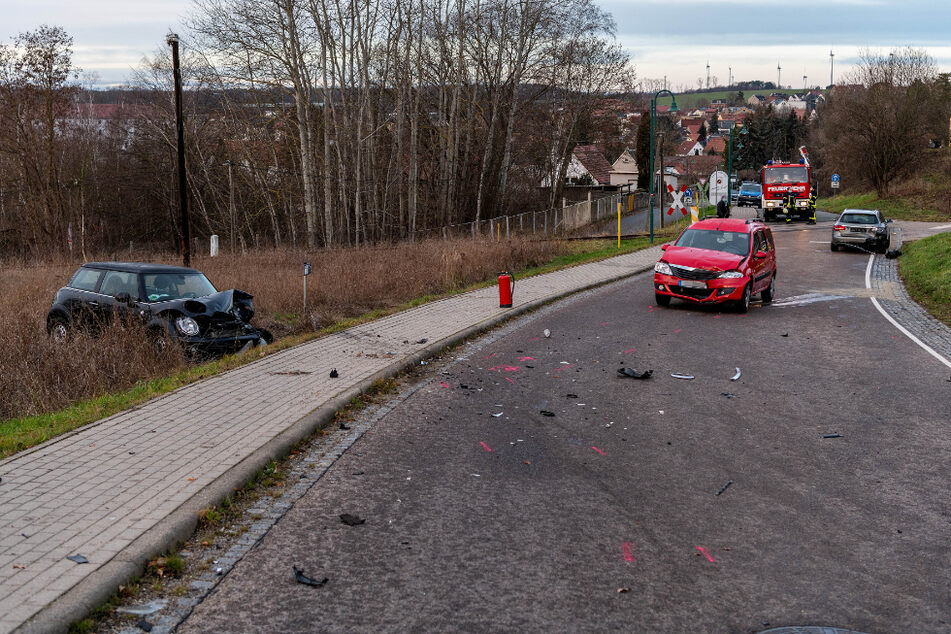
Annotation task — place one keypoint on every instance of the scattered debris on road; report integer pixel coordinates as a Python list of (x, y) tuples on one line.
[(334, 374), (79, 559), (622, 590), (307, 581), (634, 374), (725, 487), (144, 625), (142, 610), (728, 394), (686, 377), (547, 333), (351, 520), (831, 435), (737, 375), (705, 553), (422, 341), (545, 412)]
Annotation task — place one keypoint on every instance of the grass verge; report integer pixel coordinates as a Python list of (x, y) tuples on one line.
[(925, 268), (897, 208), (19, 434)]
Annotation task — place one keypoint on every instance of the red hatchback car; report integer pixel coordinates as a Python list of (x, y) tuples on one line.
[(718, 260)]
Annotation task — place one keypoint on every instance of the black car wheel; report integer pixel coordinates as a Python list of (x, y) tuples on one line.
[(662, 300), (833, 246), (58, 329), (743, 305), (770, 291)]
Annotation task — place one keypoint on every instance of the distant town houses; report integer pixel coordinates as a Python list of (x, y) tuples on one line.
[(700, 149)]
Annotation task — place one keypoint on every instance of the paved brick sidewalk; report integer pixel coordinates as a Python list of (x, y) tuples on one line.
[(127, 487)]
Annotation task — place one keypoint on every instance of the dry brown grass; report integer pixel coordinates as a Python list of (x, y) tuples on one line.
[(37, 376)]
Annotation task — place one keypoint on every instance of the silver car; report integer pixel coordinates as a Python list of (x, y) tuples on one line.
[(864, 228)]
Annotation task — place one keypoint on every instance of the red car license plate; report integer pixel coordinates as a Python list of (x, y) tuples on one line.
[(691, 284)]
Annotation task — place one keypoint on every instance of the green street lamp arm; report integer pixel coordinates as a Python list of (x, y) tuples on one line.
[(653, 115)]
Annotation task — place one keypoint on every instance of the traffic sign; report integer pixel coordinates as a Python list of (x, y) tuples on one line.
[(835, 178), (677, 202)]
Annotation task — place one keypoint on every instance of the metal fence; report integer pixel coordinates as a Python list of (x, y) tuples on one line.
[(558, 221)]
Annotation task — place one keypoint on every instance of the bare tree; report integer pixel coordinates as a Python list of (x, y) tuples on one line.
[(877, 124)]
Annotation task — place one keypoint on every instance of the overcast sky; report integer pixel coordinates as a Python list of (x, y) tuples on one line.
[(675, 38)]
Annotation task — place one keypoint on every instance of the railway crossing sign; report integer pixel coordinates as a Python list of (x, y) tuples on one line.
[(677, 202)]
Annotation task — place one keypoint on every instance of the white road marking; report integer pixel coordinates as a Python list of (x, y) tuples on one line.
[(928, 349), (820, 241), (940, 227), (808, 298)]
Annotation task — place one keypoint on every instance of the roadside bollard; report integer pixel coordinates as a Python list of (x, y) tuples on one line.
[(506, 288)]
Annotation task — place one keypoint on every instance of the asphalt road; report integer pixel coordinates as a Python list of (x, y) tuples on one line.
[(528, 522)]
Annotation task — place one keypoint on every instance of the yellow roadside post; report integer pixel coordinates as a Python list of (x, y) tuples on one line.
[(619, 224)]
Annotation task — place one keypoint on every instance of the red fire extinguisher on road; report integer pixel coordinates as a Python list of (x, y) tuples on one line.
[(506, 288)]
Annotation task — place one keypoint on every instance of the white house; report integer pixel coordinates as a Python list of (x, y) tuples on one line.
[(624, 169)]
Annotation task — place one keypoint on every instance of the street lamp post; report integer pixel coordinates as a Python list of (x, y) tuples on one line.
[(172, 40), (673, 108), (729, 161)]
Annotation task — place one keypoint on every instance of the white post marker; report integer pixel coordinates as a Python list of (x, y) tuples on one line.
[(306, 273)]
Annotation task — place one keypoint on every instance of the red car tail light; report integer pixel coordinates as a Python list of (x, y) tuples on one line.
[(839, 227)]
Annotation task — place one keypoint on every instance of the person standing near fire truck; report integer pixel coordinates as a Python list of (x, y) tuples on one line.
[(723, 208), (789, 205)]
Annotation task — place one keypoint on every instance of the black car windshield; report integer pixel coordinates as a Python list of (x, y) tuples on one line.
[(860, 219), (161, 287), (776, 175), (735, 242)]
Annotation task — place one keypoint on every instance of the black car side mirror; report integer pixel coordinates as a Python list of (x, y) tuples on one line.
[(124, 298)]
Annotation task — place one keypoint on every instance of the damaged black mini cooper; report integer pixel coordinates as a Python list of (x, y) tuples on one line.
[(175, 303)]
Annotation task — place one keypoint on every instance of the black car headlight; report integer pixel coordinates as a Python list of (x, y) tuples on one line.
[(186, 326)]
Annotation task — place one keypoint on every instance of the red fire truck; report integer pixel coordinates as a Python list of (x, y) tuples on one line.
[(780, 178)]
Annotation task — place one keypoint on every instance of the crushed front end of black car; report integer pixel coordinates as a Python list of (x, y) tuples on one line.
[(212, 325)]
